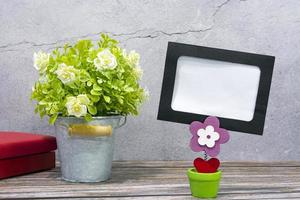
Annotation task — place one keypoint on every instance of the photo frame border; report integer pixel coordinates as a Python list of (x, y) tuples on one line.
[(264, 62)]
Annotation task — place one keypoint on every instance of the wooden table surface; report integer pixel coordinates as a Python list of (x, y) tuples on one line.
[(161, 180)]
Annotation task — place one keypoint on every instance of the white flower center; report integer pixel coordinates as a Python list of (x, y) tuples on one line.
[(208, 136)]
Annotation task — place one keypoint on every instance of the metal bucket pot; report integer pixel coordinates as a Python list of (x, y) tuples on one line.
[(86, 148)]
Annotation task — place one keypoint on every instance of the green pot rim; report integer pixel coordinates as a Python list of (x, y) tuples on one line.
[(194, 175)]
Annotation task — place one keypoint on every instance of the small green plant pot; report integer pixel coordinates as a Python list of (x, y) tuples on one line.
[(204, 185)]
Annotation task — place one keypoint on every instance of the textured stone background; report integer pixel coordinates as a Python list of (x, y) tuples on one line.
[(265, 27)]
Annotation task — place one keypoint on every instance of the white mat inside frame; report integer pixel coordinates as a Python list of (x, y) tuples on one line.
[(215, 88)]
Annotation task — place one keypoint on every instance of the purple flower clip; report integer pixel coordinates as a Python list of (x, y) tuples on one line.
[(208, 136)]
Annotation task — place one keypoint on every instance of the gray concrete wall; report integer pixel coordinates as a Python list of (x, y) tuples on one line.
[(259, 26)]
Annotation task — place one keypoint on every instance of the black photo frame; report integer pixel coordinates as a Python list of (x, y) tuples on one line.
[(265, 64)]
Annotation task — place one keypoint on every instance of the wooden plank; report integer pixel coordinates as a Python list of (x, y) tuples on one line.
[(150, 164), (161, 180)]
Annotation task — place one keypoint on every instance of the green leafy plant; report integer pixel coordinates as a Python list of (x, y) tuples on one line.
[(86, 80)]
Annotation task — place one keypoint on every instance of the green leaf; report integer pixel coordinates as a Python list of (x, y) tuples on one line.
[(100, 81), (106, 99), (129, 89), (92, 109), (36, 110), (53, 119), (89, 83), (97, 87), (120, 100), (94, 98), (88, 117), (43, 102), (94, 92)]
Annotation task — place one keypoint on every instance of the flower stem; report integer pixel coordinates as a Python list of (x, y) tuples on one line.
[(205, 156)]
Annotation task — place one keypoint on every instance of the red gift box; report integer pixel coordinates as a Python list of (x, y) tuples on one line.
[(22, 153)]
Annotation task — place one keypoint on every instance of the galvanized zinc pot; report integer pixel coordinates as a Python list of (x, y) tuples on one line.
[(86, 148)]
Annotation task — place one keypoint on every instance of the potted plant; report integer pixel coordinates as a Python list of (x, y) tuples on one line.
[(205, 177), (87, 90)]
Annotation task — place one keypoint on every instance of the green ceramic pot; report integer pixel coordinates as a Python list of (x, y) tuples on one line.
[(204, 185)]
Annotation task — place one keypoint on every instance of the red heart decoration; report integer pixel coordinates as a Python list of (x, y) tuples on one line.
[(209, 166)]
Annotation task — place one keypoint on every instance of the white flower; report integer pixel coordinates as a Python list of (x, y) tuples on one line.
[(208, 136), (105, 59), (41, 61), (66, 74), (133, 58), (138, 71), (77, 106), (83, 99)]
